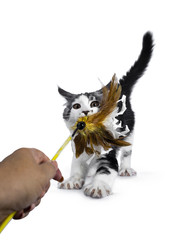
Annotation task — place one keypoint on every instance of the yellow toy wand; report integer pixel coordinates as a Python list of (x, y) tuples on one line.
[(80, 125)]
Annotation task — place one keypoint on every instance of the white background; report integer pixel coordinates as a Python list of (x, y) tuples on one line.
[(71, 44)]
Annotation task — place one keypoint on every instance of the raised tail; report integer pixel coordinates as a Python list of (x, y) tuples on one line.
[(129, 80)]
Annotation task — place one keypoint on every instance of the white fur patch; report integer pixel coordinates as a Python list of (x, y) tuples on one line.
[(123, 100), (101, 185), (125, 166), (75, 114), (72, 183), (125, 132), (111, 122)]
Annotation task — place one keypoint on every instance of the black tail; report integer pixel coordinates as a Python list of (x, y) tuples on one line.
[(128, 81)]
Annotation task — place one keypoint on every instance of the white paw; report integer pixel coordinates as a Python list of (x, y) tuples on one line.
[(72, 183), (97, 190), (127, 172)]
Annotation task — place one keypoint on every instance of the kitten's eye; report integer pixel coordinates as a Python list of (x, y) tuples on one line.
[(95, 104), (76, 106)]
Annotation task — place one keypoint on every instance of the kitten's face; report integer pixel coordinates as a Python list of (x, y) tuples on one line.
[(83, 106), (80, 105)]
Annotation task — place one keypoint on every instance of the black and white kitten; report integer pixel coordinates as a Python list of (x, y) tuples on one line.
[(96, 174)]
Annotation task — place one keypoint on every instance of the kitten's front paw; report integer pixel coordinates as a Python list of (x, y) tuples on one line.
[(72, 183), (127, 172), (97, 190)]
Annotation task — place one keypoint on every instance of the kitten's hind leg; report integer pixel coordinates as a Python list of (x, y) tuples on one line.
[(125, 166)]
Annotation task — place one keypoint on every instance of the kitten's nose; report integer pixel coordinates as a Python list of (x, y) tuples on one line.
[(85, 112)]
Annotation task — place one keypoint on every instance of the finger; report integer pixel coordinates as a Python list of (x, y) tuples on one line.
[(18, 215), (21, 214), (58, 177), (54, 163), (36, 204), (42, 195), (30, 208), (24, 214), (49, 171), (39, 156)]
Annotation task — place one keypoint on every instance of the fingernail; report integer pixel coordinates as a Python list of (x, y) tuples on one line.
[(61, 180)]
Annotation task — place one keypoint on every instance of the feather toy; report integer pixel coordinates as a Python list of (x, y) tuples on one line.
[(94, 131)]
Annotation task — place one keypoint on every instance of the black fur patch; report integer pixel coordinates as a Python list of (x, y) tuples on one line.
[(137, 70), (103, 170), (107, 161), (127, 118), (129, 80)]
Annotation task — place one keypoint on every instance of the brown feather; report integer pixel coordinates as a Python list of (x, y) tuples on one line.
[(95, 133)]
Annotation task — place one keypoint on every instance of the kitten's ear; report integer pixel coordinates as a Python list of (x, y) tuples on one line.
[(114, 77), (67, 95), (100, 91)]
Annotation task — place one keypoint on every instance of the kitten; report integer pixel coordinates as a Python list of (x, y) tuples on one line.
[(96, 174)]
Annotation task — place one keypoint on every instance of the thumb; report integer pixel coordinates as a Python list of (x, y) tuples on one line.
[(48, 169)]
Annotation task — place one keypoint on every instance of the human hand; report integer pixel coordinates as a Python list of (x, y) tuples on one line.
[(24, 179)]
